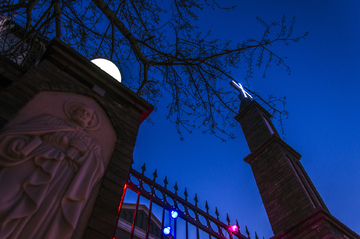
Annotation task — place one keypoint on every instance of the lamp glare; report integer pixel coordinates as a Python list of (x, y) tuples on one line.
[(167, 230), (174, 214), (233, 228)]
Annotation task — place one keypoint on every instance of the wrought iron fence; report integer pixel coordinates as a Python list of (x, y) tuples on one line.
[(150, 215)]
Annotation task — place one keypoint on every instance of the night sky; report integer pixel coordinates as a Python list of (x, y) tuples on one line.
[(322, 98)]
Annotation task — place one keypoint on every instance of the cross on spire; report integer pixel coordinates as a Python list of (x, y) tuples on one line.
[(239, 87)]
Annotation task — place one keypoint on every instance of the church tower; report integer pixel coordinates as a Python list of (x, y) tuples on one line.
[(293, 205)]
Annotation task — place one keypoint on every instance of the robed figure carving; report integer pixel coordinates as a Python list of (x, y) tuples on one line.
[(48, 168)]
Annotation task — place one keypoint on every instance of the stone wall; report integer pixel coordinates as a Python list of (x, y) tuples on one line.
[(64, 71)]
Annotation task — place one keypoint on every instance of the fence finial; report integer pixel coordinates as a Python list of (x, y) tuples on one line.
[(227, 218), (247, 232), (176, 188), (155, 175), (165, 182), (143, 169)]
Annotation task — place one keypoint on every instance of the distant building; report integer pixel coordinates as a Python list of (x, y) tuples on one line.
[(125, 222)]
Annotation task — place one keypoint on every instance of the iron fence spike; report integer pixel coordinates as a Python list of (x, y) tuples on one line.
[(207, 207), (217, 213), (165, 182), (143, 169), (185, 194), (227, 218), (196, 200), (176, 188), (237, 224), (247, 231), (155, 175), (256, 236)]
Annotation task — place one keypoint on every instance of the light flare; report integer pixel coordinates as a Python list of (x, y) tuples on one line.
[(167, 230), (233, 228)]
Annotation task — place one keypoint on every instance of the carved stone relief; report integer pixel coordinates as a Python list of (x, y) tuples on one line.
[(52, 155)]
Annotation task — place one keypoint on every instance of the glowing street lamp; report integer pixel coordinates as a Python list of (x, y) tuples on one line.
[(167, 230), (108, 67), (233, 228), (174, 214)]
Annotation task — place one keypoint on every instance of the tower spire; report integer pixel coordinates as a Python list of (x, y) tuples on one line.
[(293, 205)]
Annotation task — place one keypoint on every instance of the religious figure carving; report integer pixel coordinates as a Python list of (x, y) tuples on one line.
[(48, 168)]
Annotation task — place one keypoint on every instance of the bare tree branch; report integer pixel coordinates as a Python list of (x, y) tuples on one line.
[(162, 50), (121, 27)]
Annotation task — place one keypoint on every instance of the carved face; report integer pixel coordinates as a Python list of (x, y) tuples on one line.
[(82, 116)]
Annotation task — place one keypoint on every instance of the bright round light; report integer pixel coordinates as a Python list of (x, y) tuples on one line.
[(174, 214), (166, 230), (108, 67), (234, 228)]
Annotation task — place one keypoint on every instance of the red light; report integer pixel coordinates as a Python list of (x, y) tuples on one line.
[(233, 228), (125, 187)]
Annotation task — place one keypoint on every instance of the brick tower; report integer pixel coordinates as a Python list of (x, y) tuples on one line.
[(293, 205)]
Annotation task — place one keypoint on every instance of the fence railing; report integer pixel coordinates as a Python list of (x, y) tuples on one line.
[(137, 220)]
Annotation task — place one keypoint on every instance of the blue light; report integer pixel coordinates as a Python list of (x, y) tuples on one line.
[(174, 214), (167, 230)]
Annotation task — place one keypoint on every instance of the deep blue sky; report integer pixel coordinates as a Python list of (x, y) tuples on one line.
[(323, 126)]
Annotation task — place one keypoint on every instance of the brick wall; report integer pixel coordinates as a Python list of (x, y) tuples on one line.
[(293, 205), (285, 199), (255, 129), (64, 70)]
